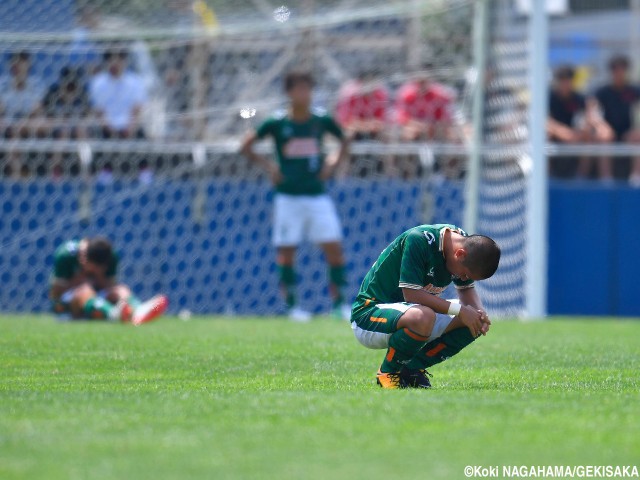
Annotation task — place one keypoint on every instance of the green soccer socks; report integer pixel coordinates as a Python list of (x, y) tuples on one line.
[(337, 283), (288, 284), (404, 344), (443, 347), (97, 308)]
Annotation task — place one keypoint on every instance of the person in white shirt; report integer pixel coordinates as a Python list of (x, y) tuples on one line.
[(118, 96)]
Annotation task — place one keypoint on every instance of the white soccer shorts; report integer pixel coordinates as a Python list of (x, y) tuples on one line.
[(379, 340), (305, 217)]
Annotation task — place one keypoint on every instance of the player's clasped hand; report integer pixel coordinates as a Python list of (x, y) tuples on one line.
[(472, 319), (486, 323)]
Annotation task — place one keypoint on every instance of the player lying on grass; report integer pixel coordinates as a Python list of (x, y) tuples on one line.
[(302, 208), (84, 286), (398, 307)]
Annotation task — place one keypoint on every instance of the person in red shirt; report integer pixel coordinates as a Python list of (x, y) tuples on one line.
[(425, 109), (362, 107)]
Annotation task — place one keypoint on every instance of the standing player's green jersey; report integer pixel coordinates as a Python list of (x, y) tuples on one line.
[(66, 264), (413, 260), (299, 150)]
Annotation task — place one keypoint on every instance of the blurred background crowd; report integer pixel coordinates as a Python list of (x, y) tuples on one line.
[(92, 86)]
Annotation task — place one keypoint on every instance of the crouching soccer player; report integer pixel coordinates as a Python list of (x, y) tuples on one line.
[(83, 285), (398, 307)]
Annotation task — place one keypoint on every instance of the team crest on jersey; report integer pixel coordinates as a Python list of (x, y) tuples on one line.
[(430, 273), (430, 237), (432, 289), (301, 147)]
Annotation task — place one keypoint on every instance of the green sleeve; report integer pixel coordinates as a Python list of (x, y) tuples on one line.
[(332, 127), (415, 262), (266, 128), (63, 265)]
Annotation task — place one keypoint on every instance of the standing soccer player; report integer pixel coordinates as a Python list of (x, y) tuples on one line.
[(398, 307), (84, 286), (303, 210)]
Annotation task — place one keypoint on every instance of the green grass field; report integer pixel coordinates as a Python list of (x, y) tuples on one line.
[(263, 398)]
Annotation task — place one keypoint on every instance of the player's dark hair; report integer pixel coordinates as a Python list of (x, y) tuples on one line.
[(619, 61), (564, 72), (297, 77), (99, 251), (483, 255)]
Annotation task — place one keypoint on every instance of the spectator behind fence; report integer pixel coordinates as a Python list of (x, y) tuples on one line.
[(362, 107), (425, 109), (65, 106), (118, 96), (618, 101), (575, 119), (20, 95)]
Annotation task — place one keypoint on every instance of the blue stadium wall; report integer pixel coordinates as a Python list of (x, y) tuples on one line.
[(218, 262), (594, 235), (222, 261)]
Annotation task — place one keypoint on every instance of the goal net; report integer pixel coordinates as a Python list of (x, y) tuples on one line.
[(155, 166)]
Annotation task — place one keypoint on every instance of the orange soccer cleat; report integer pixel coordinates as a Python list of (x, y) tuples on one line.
[(390, 380)]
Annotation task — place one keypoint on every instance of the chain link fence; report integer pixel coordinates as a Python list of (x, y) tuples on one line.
[(123, 118)]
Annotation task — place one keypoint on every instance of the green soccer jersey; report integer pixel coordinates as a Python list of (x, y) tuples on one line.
[(299, 150), (66, 264), (413, 260)]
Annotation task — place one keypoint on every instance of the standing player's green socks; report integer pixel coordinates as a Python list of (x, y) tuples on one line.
[(97, 308), (403, 346), (438, 350), (288, 284), (337, 281)]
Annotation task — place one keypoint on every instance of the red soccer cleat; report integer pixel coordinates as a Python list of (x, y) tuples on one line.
[(122, 312), (150, 310), (126, 313)]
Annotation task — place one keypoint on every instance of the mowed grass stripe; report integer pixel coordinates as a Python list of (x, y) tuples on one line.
[(263, 398)]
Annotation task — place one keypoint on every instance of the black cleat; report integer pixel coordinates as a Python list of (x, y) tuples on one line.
[(415, 378)]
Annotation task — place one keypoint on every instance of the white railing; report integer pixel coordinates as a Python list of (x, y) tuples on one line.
[(232, 146)]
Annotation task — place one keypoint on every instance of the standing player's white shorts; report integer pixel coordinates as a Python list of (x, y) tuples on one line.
[(305, 217)]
